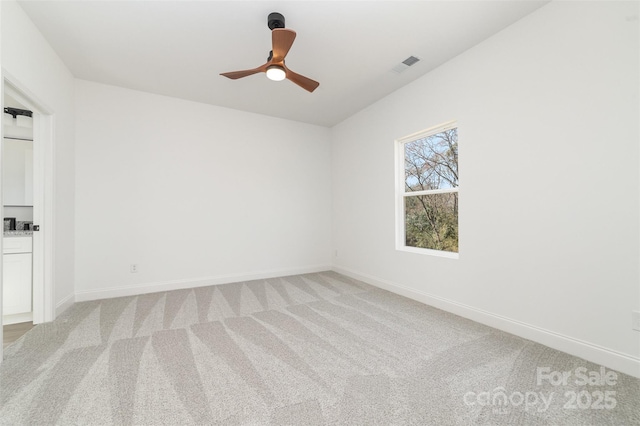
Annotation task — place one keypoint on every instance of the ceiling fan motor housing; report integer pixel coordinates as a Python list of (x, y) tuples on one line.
[(275, 20)]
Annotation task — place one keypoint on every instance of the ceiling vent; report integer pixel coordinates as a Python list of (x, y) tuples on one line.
[(405, 64)]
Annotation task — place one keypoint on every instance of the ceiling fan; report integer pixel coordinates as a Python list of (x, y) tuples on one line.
[(281, 40)]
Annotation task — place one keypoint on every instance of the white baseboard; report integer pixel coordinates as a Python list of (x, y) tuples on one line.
[(133, 290), (591, 352), (17, 318), (65, 304)]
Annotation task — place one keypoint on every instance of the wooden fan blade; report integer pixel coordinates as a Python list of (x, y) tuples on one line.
[(239, 74), (281, 41), (302, 81)]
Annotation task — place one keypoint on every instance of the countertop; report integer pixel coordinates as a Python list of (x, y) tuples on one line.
[(18, 234)]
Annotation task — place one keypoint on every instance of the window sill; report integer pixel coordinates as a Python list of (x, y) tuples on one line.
[(429, 252)]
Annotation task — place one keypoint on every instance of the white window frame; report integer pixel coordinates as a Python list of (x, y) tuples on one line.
[(401, 192)]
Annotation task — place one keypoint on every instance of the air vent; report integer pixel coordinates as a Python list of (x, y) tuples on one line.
[(405, 64), (410, 61)]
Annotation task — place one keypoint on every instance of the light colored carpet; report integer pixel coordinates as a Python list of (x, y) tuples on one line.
[(301, 350)]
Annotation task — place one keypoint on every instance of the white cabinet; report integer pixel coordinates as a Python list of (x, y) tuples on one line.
[(17, 245), (16, 276), (17, 173), (16, 284)]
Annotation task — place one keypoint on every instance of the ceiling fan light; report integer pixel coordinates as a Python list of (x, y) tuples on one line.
[(276, 73)]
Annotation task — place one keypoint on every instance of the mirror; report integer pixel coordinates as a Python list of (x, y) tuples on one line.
[(17, 172)]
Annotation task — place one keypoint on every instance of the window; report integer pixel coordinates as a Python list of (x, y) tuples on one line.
[(427, 191)]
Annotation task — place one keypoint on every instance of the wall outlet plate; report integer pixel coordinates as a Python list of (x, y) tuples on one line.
[(133, 268), (636, 320)]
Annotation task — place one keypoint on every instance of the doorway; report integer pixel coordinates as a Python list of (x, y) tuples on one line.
[(37, 205)]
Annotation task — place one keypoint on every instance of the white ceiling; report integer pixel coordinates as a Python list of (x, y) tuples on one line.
[(178, 48)]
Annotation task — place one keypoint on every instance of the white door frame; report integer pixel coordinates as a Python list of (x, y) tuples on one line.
[(43, 199)]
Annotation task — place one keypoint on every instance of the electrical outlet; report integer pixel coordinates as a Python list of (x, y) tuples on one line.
[(336, 253), (133, 268), (636, 320)]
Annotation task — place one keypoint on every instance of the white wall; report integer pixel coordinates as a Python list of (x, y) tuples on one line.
[(31, 62), (24, 214), (193, 193), (548, 128)]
